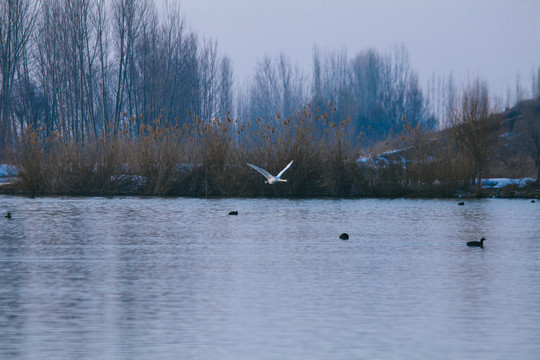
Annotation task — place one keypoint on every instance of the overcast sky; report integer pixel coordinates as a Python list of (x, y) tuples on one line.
[(496, 39)]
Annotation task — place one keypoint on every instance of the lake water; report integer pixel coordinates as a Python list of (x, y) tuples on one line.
[(153, 278)]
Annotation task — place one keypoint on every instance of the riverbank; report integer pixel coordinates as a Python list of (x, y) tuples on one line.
[(209, 159), (130, 186)]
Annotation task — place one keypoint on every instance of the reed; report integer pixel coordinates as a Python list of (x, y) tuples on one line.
[(208, 158)]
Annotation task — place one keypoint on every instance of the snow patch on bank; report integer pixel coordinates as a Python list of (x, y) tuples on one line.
[(7, 173), (498, 183)]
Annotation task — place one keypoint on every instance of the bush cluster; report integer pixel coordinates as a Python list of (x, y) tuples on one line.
[(208, 158), (202, 158)]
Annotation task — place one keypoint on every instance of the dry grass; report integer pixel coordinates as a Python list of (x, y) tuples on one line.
[(199, 159), (208, 158), (54, 165)]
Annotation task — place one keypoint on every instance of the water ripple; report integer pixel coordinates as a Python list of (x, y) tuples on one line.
[(179, 278)]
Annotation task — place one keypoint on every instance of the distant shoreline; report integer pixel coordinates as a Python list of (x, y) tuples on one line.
[(531, 191)]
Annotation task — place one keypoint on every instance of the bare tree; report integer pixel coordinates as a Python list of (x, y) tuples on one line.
[(277, 87), (208, 79), (17, 19), (531, 125), (263, 90), (535, 82), (225, 85), (156, 61), (371, 89), (371, 83), (474, 128), (81, 64), (101, 23), (28, 106), (520, 92), (66, 53), (51, 50), (291, 81), (128, 16), (537, 90), (171, 69), (98, 61), (451, 100), (332, 81)]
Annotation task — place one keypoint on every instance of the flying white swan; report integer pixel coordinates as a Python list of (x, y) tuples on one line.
[(271, 178)]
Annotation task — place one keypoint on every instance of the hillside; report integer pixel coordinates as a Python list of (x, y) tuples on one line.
[(511, 147), (515, 148)]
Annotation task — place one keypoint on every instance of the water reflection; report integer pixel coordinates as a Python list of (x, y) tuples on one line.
[(179, 278)]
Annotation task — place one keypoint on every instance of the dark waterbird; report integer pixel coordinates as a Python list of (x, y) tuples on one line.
[(8, 216), (477, 243), (233, 213), (533, 201), (344, 236), (461, 203)]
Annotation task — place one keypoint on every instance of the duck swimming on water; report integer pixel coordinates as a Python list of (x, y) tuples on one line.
[(477, 243)]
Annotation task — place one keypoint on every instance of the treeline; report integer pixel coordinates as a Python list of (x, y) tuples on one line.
[(209, 158), (371, 89), (74, 66), (116, 96)]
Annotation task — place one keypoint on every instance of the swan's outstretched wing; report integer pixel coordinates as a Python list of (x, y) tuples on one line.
[(286, 167), (262, 171)]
